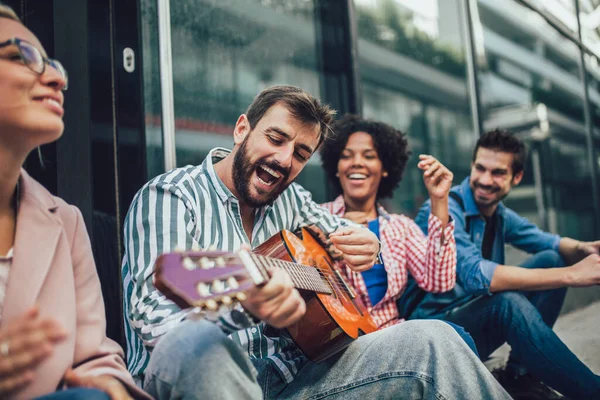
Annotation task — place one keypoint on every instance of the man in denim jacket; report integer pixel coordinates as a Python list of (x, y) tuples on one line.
[(499, 303)]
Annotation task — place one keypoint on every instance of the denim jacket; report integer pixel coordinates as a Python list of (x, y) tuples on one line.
[(474, 273)]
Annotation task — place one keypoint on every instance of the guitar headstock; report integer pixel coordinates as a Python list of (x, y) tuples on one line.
[(208, 280)]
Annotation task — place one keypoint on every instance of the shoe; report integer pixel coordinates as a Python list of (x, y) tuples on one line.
[(525, 387)]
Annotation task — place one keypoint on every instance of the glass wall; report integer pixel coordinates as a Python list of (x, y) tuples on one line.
[(152, 94), (224, 53), (530, 83), (413, 76), (411, 72)]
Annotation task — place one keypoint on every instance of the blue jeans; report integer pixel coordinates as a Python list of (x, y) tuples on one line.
[(76, 394), (198, 361), (415, 359), (525, 320), (465, 336)]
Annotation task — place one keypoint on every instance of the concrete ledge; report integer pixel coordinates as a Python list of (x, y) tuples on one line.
[(580, 297)]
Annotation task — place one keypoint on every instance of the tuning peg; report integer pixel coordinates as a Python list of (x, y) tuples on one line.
[(220, 261), (199, 305), (241, 296), (218, 286), (189, 264), (206, 263), (196, 247), (226, 300), (203, 289), (232, 283), (211, 305)]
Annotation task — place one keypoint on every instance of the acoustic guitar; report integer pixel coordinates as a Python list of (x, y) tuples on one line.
[(212, 280)]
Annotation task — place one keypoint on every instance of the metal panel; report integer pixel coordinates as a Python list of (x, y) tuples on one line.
[(74, 168), (337, 40), (591, 153), (166, 84), (474, 95)]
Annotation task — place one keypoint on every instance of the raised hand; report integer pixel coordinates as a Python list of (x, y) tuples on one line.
[(24, 344), (437, 178)]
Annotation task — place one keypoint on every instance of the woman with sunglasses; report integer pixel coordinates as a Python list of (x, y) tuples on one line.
[(52, 322), (364, 160)]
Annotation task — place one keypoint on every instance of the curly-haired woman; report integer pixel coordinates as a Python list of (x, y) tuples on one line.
[(365, 160)]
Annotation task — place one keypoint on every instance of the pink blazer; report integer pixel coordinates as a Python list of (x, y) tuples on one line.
[(53, 267)]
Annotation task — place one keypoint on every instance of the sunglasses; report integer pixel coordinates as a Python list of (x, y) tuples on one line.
[(34, 60)]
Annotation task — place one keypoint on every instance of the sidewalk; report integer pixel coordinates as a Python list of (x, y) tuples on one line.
[(580, 330)]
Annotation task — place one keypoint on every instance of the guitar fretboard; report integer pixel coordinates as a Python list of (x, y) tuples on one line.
[(303, 276)]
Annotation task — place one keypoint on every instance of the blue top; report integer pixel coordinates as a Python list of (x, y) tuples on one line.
[(473, 272), (376, 277)]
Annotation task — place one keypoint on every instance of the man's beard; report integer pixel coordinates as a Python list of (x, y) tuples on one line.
[(242, 175), (495, 191)]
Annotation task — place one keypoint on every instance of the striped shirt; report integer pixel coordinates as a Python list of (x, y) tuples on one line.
[(405, 248), (190, 207)]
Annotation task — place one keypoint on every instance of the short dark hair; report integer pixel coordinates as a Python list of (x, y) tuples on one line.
[(303, 106), (390, 143), (506, 142)]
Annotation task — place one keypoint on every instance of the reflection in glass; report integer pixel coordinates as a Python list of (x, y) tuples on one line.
[(529, 83), (224, 53), (413, 75)]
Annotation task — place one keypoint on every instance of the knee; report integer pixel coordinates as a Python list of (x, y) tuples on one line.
[(430, 331), (192, 343), (192, 339), (515, 307), (195, 357), (465, 336)]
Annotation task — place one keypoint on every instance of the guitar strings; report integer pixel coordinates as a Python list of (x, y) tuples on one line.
[(305, 280), (303, 268), (331, 276)]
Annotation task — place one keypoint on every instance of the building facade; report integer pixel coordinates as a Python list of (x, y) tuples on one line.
[(155, 84)]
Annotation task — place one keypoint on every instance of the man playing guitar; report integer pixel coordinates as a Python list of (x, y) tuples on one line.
[(241, 198)]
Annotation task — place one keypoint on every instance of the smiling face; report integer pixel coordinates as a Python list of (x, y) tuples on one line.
[(31, 104), (360, 169), (492, 178), (271, 155)]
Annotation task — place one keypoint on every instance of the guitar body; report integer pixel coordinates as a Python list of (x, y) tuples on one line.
[(332, 321)]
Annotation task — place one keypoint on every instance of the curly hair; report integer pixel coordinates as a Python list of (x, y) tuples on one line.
[(390, 143), (504, 141)]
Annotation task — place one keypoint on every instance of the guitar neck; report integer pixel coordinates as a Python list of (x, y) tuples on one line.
[(303, 277)]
